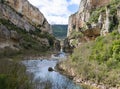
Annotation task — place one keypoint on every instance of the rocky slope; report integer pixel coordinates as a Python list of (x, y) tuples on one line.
[(23, 26), (94, 18)]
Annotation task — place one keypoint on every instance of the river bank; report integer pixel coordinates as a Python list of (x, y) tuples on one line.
[(67, 70)]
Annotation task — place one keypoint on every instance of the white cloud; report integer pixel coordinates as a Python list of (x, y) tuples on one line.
[(55, 11)]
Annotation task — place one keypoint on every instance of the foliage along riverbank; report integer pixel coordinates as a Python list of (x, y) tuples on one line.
[(13, 75), (12, 72), (96, 63)]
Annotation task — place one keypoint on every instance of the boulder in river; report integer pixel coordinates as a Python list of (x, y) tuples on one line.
[(50, 69)]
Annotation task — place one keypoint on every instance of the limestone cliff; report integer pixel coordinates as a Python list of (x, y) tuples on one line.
[(94, 18), (23, 26), (28, 15), (118, 14), (79, 19)]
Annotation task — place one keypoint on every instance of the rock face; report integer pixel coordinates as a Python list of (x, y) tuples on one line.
[(57, 45), (94, 18), (23, 26), (118, 14), (66, 46), (4, 32), (10, 14), (27, 15), (14, 36), (6, 36), (79, 19)]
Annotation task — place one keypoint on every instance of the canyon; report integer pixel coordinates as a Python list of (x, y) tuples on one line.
[(28, 47)]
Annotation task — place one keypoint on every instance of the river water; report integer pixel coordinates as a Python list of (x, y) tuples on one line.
[(44, 79)]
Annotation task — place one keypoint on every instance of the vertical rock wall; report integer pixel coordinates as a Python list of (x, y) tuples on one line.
[(118, 14), (30, 13), (79, 19)]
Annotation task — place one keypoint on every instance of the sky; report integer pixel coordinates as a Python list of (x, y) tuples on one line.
[(56, 11)]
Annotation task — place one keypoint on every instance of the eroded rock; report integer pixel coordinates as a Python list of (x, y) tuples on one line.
[(14, 35), (30, 13), (4, 32)]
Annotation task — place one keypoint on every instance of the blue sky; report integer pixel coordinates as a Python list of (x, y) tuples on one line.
[(56, 11), (73, 8)]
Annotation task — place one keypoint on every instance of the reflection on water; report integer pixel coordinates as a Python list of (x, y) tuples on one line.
[(44, 79)]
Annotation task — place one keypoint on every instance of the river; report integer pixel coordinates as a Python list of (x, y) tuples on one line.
[(44, 79)]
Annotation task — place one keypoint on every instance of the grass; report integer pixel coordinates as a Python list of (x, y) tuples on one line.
[(13, 75), (87, 87), (99, 60)]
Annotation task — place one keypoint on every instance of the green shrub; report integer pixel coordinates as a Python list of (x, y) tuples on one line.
[(98, 60), (114, 2), (75, 35), (13, 76), (95, 14), (8, 52), (116, 50)]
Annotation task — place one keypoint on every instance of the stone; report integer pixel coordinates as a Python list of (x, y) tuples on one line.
[(4, 32), (57, 46), (118, 15), (66, 46), (50, 69), (106, 23), (14, 35), (44, 41)]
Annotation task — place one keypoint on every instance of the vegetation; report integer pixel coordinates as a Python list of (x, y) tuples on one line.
[(113, 11), (75, 34), (99, 60), (29, 40), (59, 31), (13, 76), (95, 14), (12, 73), (75, 37)]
